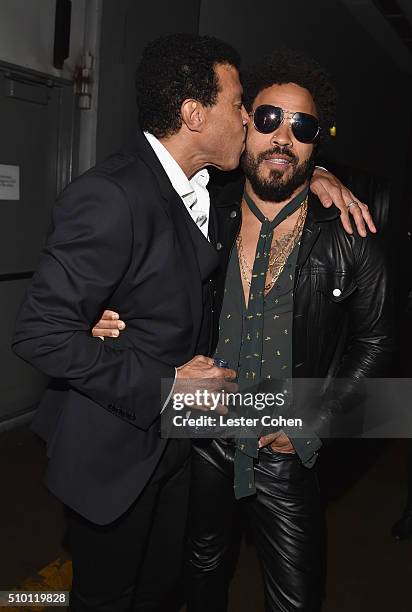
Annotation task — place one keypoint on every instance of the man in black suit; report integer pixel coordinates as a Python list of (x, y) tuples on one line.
[(134, 234), (122, 235)]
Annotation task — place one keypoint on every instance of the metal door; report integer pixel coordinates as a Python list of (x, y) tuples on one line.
[(36, 127)]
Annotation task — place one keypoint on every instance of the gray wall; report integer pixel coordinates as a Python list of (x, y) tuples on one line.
[(27, 34), (27, 39), (30, 138), (127, 26)]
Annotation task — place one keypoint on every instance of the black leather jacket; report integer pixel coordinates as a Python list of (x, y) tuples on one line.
[(343, 312)]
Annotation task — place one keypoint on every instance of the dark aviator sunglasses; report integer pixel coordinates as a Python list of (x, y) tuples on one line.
[(267, 119)]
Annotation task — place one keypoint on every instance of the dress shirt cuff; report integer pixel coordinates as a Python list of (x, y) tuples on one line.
[(170, 394)]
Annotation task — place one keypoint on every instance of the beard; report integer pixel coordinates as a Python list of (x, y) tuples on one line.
[(276, 188)]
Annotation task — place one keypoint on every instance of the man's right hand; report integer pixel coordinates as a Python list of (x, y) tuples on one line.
[(203, 367), (200, 376)]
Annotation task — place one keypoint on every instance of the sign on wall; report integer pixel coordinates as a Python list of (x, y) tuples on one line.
[(9, 182)]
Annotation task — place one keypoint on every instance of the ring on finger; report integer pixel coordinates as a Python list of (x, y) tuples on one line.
[(353, 203)]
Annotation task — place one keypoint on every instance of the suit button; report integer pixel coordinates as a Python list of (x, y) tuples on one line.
[(336, 292), (219, 245), (233, 214)]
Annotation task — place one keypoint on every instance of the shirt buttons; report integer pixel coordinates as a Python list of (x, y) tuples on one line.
[(233, 214), (219, 246), (336, 292)]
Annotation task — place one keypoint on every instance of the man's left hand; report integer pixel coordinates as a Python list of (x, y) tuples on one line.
[(330, 191), (279, 442)]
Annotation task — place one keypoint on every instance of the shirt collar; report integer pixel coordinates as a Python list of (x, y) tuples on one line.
[(177, 177)]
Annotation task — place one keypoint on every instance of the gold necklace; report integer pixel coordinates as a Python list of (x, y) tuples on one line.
[(278, 254)]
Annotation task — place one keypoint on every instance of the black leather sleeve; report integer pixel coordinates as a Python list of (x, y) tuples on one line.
[(371, 314), (371, 335), (86, 255)]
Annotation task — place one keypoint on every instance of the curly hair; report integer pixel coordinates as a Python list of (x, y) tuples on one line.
[(174, 68), (286, 66)]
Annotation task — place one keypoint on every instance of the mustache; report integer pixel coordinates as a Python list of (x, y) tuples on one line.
[(276, 151)]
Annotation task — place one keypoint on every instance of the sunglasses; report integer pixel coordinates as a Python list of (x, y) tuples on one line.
[(267, 119)]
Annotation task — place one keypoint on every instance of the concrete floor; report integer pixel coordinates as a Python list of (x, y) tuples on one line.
[(367, 569)]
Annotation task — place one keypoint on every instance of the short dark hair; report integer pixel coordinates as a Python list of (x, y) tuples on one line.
[(286, 66), (174, 68)]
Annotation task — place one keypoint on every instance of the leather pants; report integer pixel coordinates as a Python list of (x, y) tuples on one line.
[(287, 523)]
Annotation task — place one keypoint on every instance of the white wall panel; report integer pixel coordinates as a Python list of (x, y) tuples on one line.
[(27, 34)]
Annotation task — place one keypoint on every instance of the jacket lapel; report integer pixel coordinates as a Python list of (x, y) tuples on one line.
[(175, 209)]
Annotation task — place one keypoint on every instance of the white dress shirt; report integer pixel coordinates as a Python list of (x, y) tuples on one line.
[(194, 194)]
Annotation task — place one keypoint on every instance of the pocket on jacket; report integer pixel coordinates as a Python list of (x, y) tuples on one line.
[(335, 286)]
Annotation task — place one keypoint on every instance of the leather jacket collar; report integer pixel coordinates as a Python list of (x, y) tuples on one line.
[(231, 195)]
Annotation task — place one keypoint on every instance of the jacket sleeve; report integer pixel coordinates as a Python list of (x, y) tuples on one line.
[(88, 251), (371, 337), (371, 315)]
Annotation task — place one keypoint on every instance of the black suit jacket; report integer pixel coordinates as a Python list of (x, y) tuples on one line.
[(119, 239)]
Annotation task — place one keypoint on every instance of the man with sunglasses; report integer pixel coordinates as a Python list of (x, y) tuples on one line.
[(301, 299)]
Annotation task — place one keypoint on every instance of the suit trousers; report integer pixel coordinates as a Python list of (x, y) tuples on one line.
[(287, 523), (133, 563)]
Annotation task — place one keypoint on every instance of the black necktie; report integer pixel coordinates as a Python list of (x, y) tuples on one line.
[(252, 346)]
